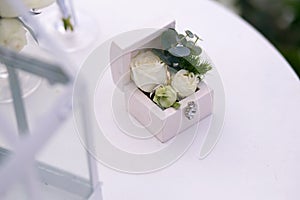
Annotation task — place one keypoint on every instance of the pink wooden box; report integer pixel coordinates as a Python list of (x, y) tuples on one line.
[(164, 124)]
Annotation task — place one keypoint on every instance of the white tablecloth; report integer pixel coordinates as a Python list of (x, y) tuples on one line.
[(258, 155)]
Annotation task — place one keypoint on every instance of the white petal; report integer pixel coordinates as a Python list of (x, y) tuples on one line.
[(12, 34), (6, 10)]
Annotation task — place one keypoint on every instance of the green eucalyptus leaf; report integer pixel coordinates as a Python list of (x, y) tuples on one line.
[(190, 44), (196, 50), (169, 38), (189, 33), (179, 51), (181, 39), (198, 38)]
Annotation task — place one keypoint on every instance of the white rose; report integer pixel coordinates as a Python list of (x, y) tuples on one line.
[(12, 34), (148, 71), (185, 83), (165, 96), (6, 10), (38, 3)]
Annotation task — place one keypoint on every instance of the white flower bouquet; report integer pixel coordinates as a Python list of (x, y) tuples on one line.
[(161, 75), (12, 34), (170, 74), (6, 10), (12, 30), (10, 14)]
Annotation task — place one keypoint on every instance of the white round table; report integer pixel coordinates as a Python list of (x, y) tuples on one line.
[(258, 155)]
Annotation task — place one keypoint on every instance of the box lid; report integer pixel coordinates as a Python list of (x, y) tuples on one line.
[(124, 47)]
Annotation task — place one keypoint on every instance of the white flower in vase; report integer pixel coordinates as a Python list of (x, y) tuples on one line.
[(185, 83), (38, 3), (12, 34), (148, 71), (6, 10)]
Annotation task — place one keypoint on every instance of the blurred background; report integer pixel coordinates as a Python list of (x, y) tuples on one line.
[(277, 20)]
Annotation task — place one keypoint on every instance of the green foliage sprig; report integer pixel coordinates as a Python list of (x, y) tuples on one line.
[(180, 45), (68, 24), (182, 52)]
